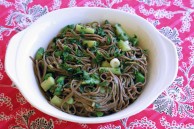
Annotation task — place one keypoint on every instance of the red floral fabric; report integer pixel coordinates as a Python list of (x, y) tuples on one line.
[(173, 109)]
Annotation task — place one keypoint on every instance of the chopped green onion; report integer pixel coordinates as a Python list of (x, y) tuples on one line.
[(85, 29), (70, 101), (56, 101), (93, 104), (105, 64), (99, 114), (47, 84), (139, 77), (124, 45), (115, 63), (121, 33), (39, 53), (47, 76), (90, 43), (60, 83), (113, 70)]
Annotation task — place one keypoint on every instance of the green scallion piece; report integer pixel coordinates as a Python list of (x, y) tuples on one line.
[(39, 54), (70, 101), (99, 114)]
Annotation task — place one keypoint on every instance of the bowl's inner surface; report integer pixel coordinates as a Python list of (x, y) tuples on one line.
[(42, 32)]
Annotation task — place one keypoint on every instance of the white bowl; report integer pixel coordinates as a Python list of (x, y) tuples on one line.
[(163, 62)]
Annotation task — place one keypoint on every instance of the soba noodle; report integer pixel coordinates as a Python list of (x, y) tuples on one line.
[(92, 69)]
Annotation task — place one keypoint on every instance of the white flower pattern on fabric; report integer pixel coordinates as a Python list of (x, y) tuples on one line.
[(1, 67), (22, 120), (6, 3), (72, 3), (176, 100), (127, 8), (99, 3), (173, 35), (156, 2), (175, 125), (4, 117), (108, 126), (20, 99), (186, 13), (22, 17), (5, 101), (142, 123), (56, 4)]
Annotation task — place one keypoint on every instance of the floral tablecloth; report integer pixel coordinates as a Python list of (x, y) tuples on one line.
[(173, 109)]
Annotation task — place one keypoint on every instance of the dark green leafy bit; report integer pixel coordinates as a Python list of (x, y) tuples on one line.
[(58, 53), (118, 53), (134, 40), (39, 53), (99, 114), (67, 28), (90, 79), (66, 48), (99, 58), (79, 53), (139, 77), (108, 40), (67, 57), (106, 22), (100, 31), (60, 84), (104, 83)]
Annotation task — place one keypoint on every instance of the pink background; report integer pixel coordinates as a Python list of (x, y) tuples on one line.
[(172, 109)]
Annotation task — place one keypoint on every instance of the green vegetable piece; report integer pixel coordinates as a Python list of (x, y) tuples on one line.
[(56, 101), (99, 114), (58, 53), (66, 28), (97, 105), (121, 34), (100, 31), (105, 64), (105, 83), (85, 29), (106, 22), (47, 76), (139, 77), (86, 75), (70, 101), (99, 58), (60, 83), (91, 81), (124, 45), (90, 43), (47, 84), (60, 80), (134, 40), (39, 53), (113, 70), (102, 90)]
